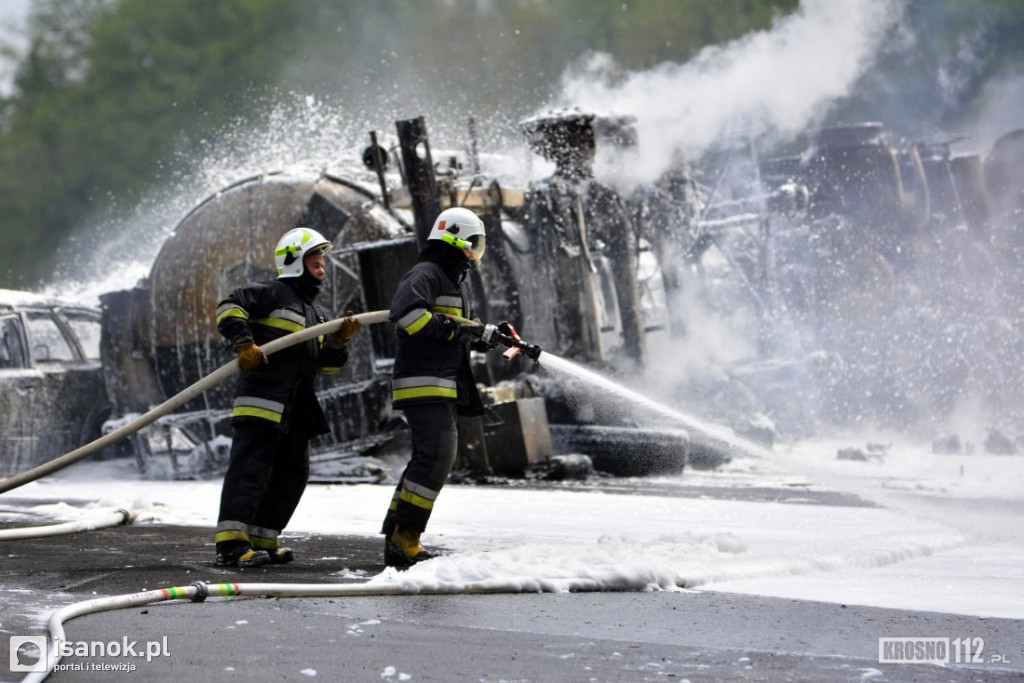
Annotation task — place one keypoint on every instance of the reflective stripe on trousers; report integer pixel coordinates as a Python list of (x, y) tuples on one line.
[(265, 480), (434, 444)]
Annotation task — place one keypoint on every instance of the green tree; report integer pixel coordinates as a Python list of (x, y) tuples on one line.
[(113, 95), (104, 91)]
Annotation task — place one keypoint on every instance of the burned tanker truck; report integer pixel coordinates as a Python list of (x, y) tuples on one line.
[(562, 266), (868, 281)]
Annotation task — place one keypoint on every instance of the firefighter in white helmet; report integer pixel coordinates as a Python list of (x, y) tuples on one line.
[(275, 411), (432, 379)]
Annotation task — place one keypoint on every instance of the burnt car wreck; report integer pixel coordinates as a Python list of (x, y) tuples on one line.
[(820, 263), (53, 397)]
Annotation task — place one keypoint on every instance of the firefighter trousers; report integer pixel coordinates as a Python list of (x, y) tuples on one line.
[(434, 443), (266, 477)]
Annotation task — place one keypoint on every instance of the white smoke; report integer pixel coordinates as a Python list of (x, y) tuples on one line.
[(779, 80), (995, 111)]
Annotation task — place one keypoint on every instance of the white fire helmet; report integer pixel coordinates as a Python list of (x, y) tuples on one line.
[(462, 229), (295, 246)]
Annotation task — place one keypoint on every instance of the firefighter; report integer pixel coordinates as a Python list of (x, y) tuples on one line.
[(276, 411), (432, 379)]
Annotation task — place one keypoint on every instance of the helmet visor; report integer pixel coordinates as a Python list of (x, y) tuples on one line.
[(477, 245), (319, 250)]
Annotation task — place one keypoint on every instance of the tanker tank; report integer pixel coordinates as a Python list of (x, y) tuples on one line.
[(161, 337)]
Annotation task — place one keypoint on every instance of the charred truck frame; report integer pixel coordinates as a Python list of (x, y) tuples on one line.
[(582, 271), (160, 337)]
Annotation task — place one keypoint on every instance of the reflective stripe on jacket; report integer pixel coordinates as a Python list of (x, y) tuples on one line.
[(431, 363), (282, 390)]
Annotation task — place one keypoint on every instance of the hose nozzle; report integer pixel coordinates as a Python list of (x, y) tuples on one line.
[(510, 338), (532, 351)]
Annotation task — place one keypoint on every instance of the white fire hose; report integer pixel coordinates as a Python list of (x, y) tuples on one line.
[(175, 402), (196, 592), (199, 591), (116, 518)]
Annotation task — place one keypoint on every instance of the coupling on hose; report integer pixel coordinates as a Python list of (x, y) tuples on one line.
[(202, 591), (129, 516)]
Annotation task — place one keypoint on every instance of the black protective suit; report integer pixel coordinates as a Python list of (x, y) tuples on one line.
[(275, 412), (432, 381)]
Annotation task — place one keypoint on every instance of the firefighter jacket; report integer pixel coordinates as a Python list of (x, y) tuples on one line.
[(282, 390), (431, 357)]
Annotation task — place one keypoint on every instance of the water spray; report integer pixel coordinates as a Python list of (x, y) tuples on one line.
[(180, 399), (710, 435)]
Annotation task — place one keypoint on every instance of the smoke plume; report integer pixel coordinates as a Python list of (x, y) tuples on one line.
[(780, 80)]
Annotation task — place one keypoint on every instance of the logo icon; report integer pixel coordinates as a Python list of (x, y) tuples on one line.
[(28, 653)]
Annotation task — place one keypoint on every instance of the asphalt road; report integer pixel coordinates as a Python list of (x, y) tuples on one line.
[(657, 636)]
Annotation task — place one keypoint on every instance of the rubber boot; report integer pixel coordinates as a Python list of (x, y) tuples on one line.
[(277, 554), (280, 555), (402, 549), (240, 554)]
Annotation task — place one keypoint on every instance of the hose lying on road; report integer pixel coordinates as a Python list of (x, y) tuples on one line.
[(116, 518), (199, 591), (175, 402)]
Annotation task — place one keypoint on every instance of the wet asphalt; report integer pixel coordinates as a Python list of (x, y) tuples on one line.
[(654, 636)]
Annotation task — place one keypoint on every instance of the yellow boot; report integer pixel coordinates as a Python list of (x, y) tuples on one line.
[(402, 549), (240, 554)]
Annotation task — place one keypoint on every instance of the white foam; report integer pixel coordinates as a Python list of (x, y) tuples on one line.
[(897, 554)]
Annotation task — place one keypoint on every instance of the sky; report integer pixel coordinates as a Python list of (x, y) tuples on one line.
[(14, 10), (943, 534), (13, 14)]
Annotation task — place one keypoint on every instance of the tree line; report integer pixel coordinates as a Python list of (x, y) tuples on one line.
[(111, 96)]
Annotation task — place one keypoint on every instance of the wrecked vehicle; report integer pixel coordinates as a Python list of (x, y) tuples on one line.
[(885, 293), (791, 255), (53, 398), (548, 246)]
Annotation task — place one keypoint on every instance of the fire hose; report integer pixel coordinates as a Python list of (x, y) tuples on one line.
[(178, 400), (200, 591), (503, 334), (116, 518)]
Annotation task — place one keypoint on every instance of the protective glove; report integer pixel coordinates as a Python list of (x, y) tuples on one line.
[(250, 356), (469, 333), (339, 338), (460, 334)]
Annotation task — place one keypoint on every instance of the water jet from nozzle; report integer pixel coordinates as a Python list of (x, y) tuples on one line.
[(709, 435)]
